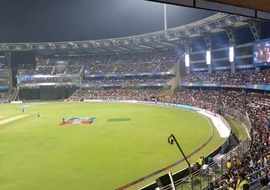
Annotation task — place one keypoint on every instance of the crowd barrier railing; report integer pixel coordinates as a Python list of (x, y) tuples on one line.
[(214, 171)]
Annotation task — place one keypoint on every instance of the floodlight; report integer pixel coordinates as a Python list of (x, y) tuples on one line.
[(208, 57), (187, 60), (231, 54)]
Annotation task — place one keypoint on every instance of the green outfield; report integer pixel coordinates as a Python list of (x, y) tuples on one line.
[(124, 143)]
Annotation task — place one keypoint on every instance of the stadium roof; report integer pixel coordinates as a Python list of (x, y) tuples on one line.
[(160, 40), (251, 8), (262, 5)]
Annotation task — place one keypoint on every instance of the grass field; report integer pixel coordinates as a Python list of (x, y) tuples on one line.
[(126, 142)]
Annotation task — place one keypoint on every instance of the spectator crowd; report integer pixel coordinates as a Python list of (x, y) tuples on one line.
[(87, 66), (242, 77)]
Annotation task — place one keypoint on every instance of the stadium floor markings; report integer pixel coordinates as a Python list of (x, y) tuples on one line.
[(11, 119)]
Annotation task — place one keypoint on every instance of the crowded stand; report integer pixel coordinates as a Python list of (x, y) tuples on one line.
[(4, 97), (240, 168), (156, 62), (48, 79), (48, 69), (133, 68), (126, 82), (131, 64), (45, 66), (116, 94), (242, 77)]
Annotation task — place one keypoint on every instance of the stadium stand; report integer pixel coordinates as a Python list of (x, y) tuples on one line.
[(106, 70), (132, 64), (126, 82), (241, 77), (144, 68), (4, 97)]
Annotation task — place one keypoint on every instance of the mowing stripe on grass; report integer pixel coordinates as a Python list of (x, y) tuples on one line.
[(11, 119)]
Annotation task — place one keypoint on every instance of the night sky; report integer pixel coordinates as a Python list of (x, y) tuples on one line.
[(67, 20)]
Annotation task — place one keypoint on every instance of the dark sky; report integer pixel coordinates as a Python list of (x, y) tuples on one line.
[(66, 20)]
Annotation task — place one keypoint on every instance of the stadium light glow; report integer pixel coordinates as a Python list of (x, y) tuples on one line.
[(187, 60), (208, 57), (231, 54)]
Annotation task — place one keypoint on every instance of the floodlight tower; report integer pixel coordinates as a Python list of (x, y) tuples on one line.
[(187, 55), (187, 62), (208, 55), (165, 17), (232, 42)]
